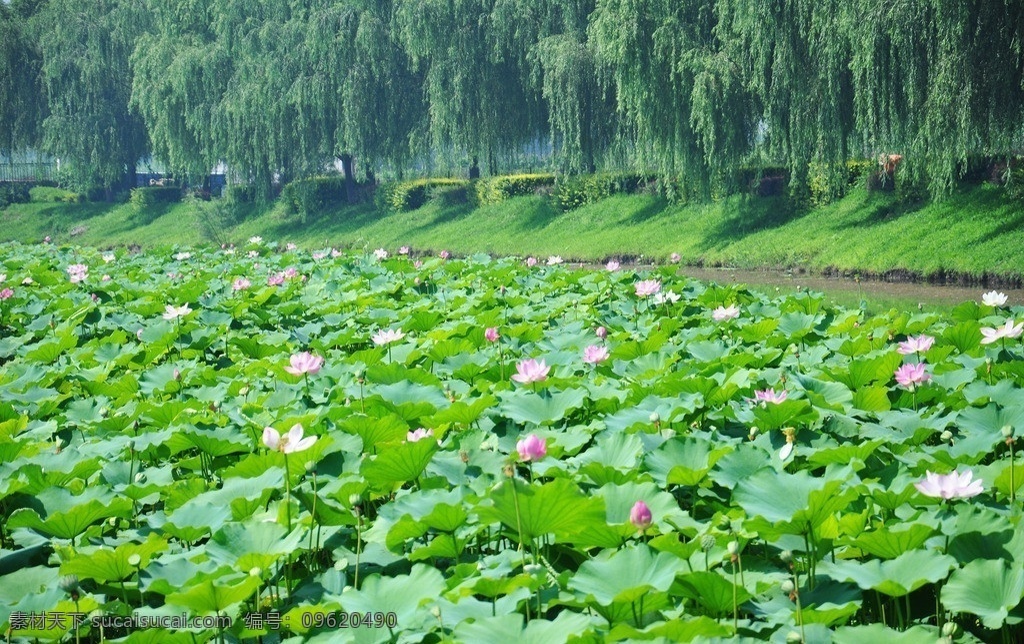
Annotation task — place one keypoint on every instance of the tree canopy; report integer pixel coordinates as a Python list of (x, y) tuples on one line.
[(693, 89)]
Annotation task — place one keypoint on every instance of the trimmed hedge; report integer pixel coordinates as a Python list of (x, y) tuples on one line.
[(403, 196), (46, 194), (573, 192), (13, 193), (497, 189), (143, 199), (314, 195)]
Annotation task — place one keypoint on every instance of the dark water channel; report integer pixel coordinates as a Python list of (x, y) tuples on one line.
[(878, 296)]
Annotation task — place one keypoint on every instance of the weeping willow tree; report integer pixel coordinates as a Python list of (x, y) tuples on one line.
[(939, 82), (680, 94), (479, 98), (355, 90), (794, 58), (22, 98), (85, 49)]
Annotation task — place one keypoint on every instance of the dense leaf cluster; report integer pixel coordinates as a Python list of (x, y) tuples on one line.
[(689, 88)]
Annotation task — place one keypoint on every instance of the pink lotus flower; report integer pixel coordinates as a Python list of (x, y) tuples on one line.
[(275, 279), (335, 253), (290, 247), (532, 448), (138, 334), (531, 371), (241, 284), (320, 254), (404, 250), (290, 273), (380, 254), (383, 337), (950, 486), (78, 273), (174, 312), (595, 354), (613, 265), (289, 443), (303, 363), (444, 254), (419, 434), (993, 298), (531, 261), (601, 332), (647, 287), (920, 344), (46, 240), (912, 375), (723, 313), (640, 515), (554, 260), (1008, 330), (26, 281), (491, 334), (417, 264), (770, 396), (6, 294), (105, 278), (674, 258)]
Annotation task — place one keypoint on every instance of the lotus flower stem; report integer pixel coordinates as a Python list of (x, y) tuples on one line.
[(287, 494), (359, 543), (313, 515)]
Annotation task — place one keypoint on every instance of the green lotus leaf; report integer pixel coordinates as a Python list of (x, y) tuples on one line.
[(684, 461), (398, 463), (894, 577), (711, 590), (253, 544), (889, 544), (105, 564), (557, 508), (566, 627), (626, 575), (373, 431), (71, 519), (525, 406), (875, 633), (191, 522), (790, 503), (988, 588), (408, 596), (220, 596)]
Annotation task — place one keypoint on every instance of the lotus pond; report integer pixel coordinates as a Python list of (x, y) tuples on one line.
[(279, 445)]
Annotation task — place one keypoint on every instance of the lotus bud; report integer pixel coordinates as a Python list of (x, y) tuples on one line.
[(140, 477), (949, 629), (310, 467), (946, 436), (655, 417), (255, 571), (733, 548), (436, 612), (134, 560), (533, 569), (793, 637), (707, 542), (177, 375), (104, 412), (354, 499), (753, 432), (601, 332), (786, 556), (341, 564), (244, 391), (113, 522), (787, 586), (1007, 431)]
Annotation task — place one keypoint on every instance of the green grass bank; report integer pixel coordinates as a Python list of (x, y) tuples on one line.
[(975, 235)]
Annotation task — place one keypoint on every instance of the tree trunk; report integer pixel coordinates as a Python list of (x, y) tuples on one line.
[(474, 170), (347, 167)]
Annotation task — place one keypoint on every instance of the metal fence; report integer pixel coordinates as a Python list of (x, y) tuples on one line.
[(28, 172)]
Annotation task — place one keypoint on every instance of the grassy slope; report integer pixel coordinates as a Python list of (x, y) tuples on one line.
[(977, 230)]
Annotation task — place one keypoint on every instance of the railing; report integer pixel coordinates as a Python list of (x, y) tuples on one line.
[(27, 172)]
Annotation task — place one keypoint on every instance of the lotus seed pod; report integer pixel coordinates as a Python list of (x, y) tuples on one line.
[(436, 612), (134, 561), (949, 629), (533, 569), (786, 556), (793, 637), (787, 586), (707, 542), (1007, 431), (946, 436), (69, 584), (353, 499)]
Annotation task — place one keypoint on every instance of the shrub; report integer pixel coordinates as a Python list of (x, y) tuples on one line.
[(145, 199), (453, 195), (497, 189), (403, 196), (312, 196), (13, 193), (43, 194), (858, 170), (572, 192)]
